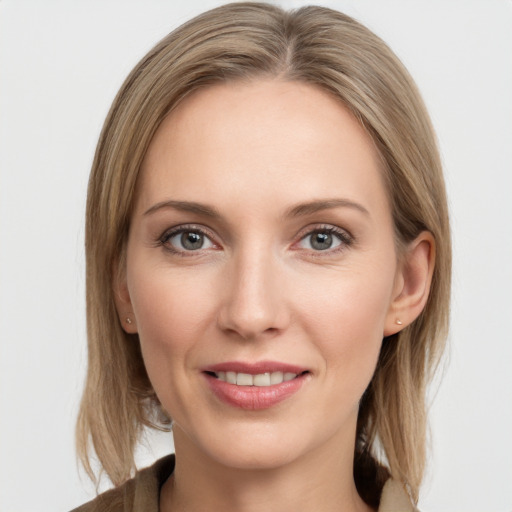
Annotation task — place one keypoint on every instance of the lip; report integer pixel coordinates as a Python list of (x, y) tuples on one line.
[(254, 397)]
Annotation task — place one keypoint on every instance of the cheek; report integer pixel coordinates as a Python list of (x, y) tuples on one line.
[(352, 301), (345, 316), (167, 300), (170, 313)]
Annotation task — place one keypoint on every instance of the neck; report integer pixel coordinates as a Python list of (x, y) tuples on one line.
[(322, 481)]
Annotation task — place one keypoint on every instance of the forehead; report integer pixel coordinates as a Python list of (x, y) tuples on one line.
[(272, 139)]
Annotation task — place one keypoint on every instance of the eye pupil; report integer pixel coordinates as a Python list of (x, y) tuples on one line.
[(321, 241), (192, 241)]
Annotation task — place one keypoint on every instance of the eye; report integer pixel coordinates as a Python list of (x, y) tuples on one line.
[(325, 239), (186, 240)]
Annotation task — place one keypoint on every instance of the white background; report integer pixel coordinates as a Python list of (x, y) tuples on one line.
[(61, 62)]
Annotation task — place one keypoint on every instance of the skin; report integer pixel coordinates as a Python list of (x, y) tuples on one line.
[(258, 290)]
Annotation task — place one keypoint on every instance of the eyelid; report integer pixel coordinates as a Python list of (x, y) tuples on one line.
[(346, 238), (184, 228)]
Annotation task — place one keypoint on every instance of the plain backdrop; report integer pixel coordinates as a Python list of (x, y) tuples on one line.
[(61, 63)]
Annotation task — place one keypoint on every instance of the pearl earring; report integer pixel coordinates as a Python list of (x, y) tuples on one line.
[(128, 320), (398, 321)]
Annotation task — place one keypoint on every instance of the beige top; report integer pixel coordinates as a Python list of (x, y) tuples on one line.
[(141, 494)]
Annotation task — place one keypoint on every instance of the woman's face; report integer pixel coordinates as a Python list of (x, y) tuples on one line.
[(261, 271)]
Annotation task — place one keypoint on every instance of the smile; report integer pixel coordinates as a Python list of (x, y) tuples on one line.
[(260, 380), (255, 386)]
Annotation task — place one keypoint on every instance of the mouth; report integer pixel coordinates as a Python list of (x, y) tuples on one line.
[(255, 386), (265, 379)]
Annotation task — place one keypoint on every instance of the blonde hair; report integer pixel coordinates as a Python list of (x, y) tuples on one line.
[(244, 41)]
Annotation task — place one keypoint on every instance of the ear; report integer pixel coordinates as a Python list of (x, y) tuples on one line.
[(122, 299), (412, 283)]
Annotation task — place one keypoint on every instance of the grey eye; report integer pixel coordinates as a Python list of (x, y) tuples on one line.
[(190, 241), (320, 241)]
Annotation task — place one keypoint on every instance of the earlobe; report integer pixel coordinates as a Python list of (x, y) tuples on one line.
[(123, 301), (413, 283)]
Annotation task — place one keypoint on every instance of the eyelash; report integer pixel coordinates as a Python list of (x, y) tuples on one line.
[(345, 238), (190, 228)]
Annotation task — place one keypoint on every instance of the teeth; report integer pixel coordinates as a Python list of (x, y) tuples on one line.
[(263, 379), (260, 380), (244, 379), (276, 378)]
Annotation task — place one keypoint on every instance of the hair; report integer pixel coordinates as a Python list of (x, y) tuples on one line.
[(240, 42)]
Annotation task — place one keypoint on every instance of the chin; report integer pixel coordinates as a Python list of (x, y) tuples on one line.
[(244, 446), (256, 457)]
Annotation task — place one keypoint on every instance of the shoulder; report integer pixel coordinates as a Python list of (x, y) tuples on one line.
[(394, 498), (141, 493), (109, 501)]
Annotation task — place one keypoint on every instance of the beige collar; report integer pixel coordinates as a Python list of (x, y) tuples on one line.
[(394, 498)]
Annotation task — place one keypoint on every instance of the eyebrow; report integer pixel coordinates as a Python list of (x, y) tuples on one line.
[(324, 204), (299, 210), (186, 206)]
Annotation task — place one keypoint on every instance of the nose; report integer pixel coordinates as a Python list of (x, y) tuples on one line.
[(254, 297)]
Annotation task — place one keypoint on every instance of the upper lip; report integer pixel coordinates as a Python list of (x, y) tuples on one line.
[(255, 368)]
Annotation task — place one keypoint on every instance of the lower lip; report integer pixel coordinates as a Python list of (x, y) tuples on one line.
[(254, 397)]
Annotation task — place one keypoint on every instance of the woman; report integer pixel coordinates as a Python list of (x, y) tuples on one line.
[(268, 265)]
